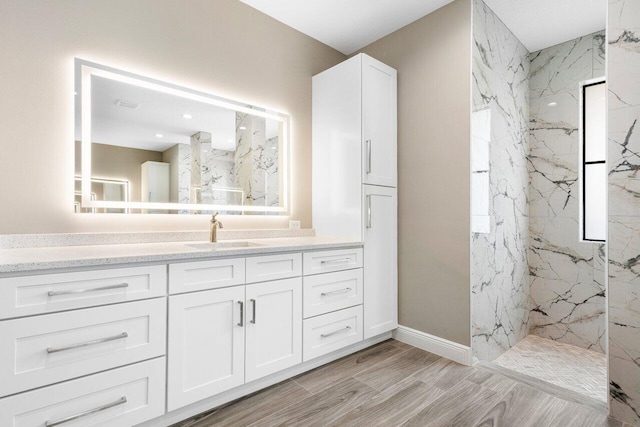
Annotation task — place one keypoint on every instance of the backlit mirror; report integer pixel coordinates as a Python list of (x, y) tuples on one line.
[(146, 146)]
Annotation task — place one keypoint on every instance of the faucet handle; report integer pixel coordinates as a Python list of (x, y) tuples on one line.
[(213, 217)]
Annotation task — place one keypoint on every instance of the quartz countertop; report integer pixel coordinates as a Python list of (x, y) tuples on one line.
[(47, 258)]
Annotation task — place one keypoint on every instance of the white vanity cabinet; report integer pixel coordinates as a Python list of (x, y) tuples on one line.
[(273, 327), (206, 344), (355, 175)]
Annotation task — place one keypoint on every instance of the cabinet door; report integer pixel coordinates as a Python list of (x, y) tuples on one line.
[(274, 327), (379, 123), (206, 344), (380, 261)]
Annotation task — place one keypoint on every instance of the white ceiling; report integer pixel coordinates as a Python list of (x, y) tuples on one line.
[(349, 25), (542, 23)]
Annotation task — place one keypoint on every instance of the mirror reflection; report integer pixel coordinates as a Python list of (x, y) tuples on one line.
[(172, 149)]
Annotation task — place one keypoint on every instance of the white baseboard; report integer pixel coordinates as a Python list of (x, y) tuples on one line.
[(436, 345)]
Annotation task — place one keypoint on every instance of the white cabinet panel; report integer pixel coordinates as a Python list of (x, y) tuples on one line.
[(121, 397), (328, 261), (380, 260), (331, 332), (274, 327), (48, 293), (206, 344), (273, 267), (42, 350), (379, 123), (324, 293), (203, 275)]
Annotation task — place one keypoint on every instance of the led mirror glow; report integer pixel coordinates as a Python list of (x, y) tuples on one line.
[(182, 150)]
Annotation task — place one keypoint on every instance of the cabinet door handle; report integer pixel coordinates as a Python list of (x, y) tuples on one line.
[(336, 332), (120, 401), (336, 261), (369, 211), (87, 343), (241, 323), (339, 291), (253, 320), (368, 142), (82, 291)]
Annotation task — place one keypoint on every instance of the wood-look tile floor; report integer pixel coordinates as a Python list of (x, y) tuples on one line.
[(394, 384)]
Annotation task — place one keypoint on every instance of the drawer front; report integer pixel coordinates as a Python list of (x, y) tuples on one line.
[(273, 267), (328, 261), (48, 293), (42, 350), (331, 332), (328, 292), (121, 397), (203, 275)]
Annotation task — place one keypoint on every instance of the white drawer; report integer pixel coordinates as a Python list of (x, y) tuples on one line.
[(273, 267), (202, 275), (41, 350), (328, 292), (327, 261), (331, 332), (47, 293), (118, 398)]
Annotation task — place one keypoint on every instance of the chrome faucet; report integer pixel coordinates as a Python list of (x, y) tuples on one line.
[(213, 232)]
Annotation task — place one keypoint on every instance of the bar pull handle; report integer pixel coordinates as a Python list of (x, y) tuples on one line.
[(120, 401), (336, 332), (241, 323), (336, 261), (82, 291), (253, 320), (368, 142), (121, 336), (340, 291), (369, 211)]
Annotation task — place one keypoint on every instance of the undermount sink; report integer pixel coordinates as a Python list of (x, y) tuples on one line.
[(223, 245)]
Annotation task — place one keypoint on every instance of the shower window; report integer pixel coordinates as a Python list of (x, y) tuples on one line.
[(593, 159)]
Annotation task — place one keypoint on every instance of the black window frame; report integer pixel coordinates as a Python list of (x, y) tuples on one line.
[(584, 162)]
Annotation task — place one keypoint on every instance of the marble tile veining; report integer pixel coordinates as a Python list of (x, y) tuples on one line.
[(500, 282)]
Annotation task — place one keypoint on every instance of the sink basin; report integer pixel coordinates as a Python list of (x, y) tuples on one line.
[(223, 245)]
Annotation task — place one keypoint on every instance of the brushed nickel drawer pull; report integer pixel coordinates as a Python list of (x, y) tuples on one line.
[(87, 343), (336, 332), (82, 291), (241, 323), (253, 320), (339, 291), (120, 401), (336, 261)]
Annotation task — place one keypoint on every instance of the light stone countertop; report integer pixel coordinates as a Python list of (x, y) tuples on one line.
[(47, 258)]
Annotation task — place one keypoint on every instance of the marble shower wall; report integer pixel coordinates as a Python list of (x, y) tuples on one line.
[(499, 271), (567, 276), (624, 209)]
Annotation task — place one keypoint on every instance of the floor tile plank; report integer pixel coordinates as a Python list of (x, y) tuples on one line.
[(393, 406), (322, 408), (328, 375), (397, 368), (444, 373), (252, 408)]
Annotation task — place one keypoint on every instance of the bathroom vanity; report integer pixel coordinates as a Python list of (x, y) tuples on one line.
[(123, 334)]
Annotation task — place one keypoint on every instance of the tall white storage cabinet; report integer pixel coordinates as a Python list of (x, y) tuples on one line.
[(355, 174)]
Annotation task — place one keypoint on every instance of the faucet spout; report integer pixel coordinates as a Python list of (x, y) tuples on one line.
[(213, 231)]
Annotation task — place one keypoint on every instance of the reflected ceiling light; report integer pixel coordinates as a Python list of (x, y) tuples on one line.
[(552, 104), (243, 128), (187, 116), (159, 135)]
